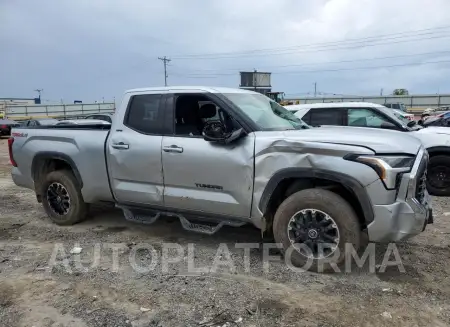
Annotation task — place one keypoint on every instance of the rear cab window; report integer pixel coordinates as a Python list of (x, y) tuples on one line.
[(145, 114)]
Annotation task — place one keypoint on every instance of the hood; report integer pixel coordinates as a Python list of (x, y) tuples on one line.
[(378, 140), (436, 130)]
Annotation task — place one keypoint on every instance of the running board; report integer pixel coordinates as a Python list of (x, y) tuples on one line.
[(150, 217)]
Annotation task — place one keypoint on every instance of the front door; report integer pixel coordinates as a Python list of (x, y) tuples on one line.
[(134, 152), (202, 176)]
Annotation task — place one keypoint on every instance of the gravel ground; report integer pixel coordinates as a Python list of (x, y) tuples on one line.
[(103, 286)]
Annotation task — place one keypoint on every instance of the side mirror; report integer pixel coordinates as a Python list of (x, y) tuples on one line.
[(411, 123), (214, 132), (420, 122), (388, 125)]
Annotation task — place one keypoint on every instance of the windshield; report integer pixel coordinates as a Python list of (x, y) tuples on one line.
[(393, 116), (266, 113)]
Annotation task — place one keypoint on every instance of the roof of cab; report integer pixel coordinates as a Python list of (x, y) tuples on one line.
[(207, 89), (332, 105)]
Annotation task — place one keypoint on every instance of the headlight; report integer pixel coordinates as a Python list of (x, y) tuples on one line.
[(387, 167)]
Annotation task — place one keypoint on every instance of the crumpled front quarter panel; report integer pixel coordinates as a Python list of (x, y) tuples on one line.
[(277, 151)]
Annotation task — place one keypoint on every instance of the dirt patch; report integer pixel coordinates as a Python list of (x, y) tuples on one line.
[(7, 294)]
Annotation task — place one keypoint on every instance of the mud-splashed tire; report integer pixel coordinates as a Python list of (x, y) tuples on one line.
[(77, 210), (342, 214)]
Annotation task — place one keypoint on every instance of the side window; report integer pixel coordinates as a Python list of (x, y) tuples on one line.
[(307, 118), (194, 111), (363, 117), (329, 116), (144, 114)]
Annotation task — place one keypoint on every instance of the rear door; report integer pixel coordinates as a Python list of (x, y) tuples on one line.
[(134, 151)]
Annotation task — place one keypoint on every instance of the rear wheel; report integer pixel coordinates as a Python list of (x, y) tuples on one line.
[(62, 199), (314, 226), (438, 176)]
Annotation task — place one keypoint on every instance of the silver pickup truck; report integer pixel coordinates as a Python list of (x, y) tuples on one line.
[(219, 156)]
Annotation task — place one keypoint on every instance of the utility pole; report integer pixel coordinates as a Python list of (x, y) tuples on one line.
[(315, 89), (39, 91), (255, 80), (165, 60)]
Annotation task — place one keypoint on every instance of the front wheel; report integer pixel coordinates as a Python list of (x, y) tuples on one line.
[(313, 227), (62, 199), (438, 176)]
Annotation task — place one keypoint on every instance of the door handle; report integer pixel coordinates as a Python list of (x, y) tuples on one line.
[(120, 146), (173, 148)]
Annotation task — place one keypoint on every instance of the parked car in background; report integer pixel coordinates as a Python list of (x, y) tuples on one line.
[(39, 122), (442, 120), (6, 125), (218, 156), (396, 105), (364, 114), (403, 115), (83, 122), (106, 117)]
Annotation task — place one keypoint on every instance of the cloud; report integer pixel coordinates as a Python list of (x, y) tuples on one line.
[(93, 49)]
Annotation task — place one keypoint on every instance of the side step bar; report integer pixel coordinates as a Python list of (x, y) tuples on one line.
[(149, 217)]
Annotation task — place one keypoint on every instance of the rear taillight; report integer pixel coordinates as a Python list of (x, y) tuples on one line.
[(10, 145), (4, 126)]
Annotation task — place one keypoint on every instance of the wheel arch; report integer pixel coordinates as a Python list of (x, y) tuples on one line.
[(438, 150), (46, 161), (291, 179)]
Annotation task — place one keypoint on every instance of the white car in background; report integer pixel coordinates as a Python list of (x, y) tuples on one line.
[(404, 115), (371, 115)]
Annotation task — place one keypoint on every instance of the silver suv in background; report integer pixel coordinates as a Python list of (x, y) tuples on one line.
[(374, 116), (217, 156)]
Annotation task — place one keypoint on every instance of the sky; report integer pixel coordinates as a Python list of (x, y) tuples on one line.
[(92, 50)]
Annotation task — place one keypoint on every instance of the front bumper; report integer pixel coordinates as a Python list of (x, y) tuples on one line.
[(399, 221), (410, 213)]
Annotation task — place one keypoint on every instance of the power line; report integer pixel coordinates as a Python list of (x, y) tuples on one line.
[(336, 45), (333, 62), (165, 60), (326, 70)]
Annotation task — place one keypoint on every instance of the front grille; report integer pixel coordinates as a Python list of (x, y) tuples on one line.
[(421, 184)]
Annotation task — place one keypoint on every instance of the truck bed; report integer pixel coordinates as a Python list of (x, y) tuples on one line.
[(81, 146)]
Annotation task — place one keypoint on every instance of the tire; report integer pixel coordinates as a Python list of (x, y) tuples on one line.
[(432, 187), (77, 209), (326, 202)]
